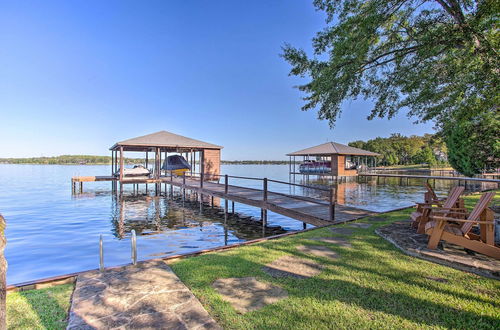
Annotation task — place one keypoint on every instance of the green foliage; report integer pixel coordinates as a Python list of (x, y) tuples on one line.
[(437, 59), (425, 155), (402, 150), (474, 145)]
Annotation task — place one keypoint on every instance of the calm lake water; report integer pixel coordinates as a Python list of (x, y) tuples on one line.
[(50, 232)]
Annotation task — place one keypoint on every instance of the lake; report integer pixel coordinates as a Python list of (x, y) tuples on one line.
[(50, 232)]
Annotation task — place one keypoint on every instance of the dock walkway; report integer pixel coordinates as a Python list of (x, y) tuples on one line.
[(313, 211)]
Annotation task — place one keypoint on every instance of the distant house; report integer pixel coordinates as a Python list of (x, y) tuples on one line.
[(333, 159)]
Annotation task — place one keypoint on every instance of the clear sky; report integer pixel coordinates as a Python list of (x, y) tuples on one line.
[(77, 76)]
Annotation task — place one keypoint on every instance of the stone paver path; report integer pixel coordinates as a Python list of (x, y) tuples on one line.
[(146, 296), (318, 250), (360, 225), (342, 230), (291, 266), (334, 240), (247, 294)]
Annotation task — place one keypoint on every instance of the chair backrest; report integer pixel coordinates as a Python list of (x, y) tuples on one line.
[(431, 191), (453, 196), (481, 205)]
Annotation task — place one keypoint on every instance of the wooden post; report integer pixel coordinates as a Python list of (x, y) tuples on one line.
[(112, 162), (226, 188), (225, 211), (265, 189), (183, 186), (202, 175), (121, 164), (3, 272), (332, 205)]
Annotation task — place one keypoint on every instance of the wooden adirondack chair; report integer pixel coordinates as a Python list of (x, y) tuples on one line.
[(430, 196), (458, 231), (424, 210)]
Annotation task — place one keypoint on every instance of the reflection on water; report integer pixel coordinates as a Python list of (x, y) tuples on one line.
[(50, 232)]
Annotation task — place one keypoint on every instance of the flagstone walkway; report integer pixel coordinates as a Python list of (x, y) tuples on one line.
[(146, 296)]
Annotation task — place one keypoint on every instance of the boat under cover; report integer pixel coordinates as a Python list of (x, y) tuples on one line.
[(137, 170), (176, 164)]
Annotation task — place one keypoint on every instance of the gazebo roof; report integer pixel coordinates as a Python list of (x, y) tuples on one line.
[(163, 139), (332, 148)]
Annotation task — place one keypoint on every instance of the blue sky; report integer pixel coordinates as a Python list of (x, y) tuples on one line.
[(77, 76)]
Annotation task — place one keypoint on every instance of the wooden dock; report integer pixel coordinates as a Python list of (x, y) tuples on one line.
[(308, 210)]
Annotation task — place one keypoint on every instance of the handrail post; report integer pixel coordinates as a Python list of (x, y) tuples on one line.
[(133, 242), (101, 254), (226, 188), (332, 205), (201, 179), (265, 189)]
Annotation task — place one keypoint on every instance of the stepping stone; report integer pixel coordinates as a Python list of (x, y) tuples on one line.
[(377, 219), (342, 230), (146, 296), (360, 225), (334, 240), (290, 266), (247, 294), (318, 250)]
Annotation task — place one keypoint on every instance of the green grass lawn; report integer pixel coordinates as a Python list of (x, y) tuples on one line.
[(39, 309), (372, 285)]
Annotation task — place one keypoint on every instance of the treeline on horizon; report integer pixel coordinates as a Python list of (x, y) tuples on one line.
[(103, 160), (398, 149)]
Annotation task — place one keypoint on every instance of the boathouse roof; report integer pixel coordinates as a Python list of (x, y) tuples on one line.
[(332, 148), (163, 139)]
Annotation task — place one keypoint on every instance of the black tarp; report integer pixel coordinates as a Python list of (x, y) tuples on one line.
[(175, 162)]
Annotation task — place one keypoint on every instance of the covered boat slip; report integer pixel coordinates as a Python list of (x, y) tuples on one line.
[(196, 156), (332, 159)]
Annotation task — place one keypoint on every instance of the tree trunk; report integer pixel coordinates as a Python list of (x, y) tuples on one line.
[(3, 272)]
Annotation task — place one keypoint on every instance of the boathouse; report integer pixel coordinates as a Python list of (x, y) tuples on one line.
[(203, 157), (333, 159)]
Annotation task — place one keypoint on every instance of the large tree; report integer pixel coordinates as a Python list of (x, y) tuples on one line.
[(438, 59)]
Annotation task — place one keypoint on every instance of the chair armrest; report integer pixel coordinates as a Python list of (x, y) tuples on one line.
[(446, 209), (447, 219)]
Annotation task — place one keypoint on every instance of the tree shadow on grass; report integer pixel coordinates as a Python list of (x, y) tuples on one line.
[(420, 310), (384, 269), (49, 311)]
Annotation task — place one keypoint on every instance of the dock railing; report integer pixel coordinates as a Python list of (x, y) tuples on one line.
[(332, 192)]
